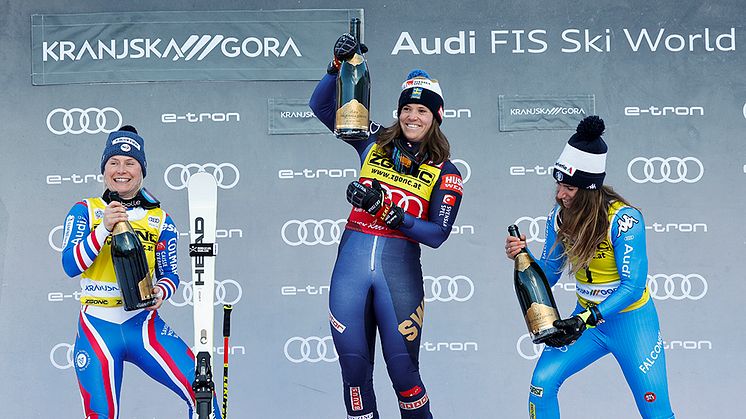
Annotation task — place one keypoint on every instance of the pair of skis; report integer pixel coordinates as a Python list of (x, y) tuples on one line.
[(203, 205)]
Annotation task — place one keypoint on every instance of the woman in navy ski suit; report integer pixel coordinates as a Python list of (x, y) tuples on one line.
[(408, 193)]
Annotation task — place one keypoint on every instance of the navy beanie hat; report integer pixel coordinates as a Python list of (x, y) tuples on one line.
[(421, 89), (583, 161), (125, 142)]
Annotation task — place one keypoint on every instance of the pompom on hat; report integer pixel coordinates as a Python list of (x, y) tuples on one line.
[(583, 161), (421, 89), (125, 142)]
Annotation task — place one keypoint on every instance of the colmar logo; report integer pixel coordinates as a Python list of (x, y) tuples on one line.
[(650, 397), (449, 200)]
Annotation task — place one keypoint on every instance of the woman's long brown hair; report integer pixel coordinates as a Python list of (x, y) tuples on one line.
[(585, 225), (435, 141)]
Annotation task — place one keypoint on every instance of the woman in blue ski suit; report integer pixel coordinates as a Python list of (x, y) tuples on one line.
[(107, 335), (601, 238)]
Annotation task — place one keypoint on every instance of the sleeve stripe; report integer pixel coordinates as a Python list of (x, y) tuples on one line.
[(79, 258)]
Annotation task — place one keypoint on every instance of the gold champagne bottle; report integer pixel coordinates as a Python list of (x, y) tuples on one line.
[(534, 295), (130, 266), (352, 120)]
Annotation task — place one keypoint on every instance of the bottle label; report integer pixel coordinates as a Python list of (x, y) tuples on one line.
[(356, 59), (522, 262), (352, 115), (540, 317), (145, 286)]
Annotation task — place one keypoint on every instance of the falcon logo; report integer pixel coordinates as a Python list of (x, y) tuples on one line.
[(625, 223)]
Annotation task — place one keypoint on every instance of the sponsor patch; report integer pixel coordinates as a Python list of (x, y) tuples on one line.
[(355, 399), (537, 391), (336, 325), (125, 141), (531, 410), (452, 183), (365, 416), (82, 360), (415, 404), (411, 392), (154, 221), (625, 223), (98, 213), (650, 397), (68, 230), (449, 200), (161, 246)]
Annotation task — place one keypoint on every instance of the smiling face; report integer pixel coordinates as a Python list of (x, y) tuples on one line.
[(415, 120), (566, 194), (123, 174)]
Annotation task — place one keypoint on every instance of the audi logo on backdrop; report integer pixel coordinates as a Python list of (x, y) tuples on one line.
[(53, 242), (227, 291), (529, 350), (311, 349), (61, 356), (312, 232), (534, 232), (177, 175), (448, 288), (670, 169), (677, 286), (464, 168), (78, 121)]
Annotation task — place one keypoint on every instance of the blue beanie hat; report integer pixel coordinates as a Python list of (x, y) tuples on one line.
[(421, 89), (125, 142)]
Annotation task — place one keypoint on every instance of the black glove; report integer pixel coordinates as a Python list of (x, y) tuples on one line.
[(344, 49), (367, 198), (394, 217), (572, 328)]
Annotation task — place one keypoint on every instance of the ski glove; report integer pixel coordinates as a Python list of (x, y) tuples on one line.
[(572, 328), (374, 201), (344, 49)]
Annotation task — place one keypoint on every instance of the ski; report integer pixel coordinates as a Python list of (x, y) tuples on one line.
[(203, 202)]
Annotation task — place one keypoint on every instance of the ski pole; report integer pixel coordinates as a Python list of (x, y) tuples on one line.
[(227, 309)]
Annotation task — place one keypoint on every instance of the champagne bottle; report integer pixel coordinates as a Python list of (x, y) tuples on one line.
[(352, 120), (534, 295), (130, 266)]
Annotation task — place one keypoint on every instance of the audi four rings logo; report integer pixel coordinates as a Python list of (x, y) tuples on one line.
[(52, 241), (446, 288), (226, 292), (78, 121), (312, 232), (529, 350), (677, 286), (311, 349), (466, 173), (400, 199), (61, 356), (671, 169), (534, 230), (177, 175)]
